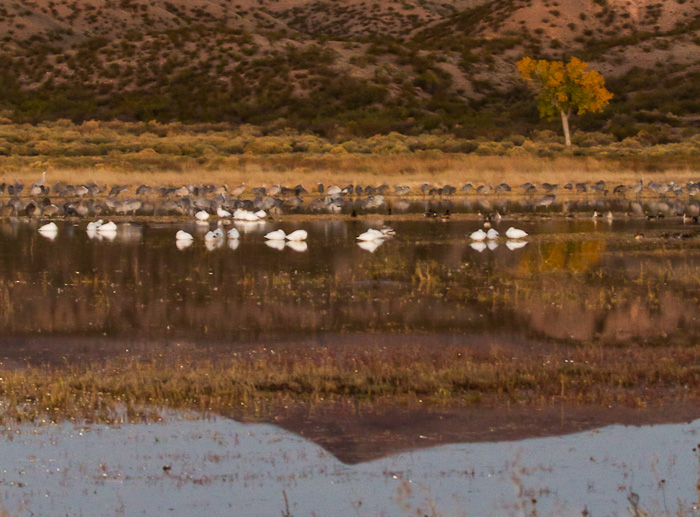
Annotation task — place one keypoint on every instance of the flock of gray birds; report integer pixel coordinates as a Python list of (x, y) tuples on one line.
[(93, 200)]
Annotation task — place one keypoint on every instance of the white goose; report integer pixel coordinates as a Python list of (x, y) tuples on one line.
[(211, 236), (50, 227), (222, 213), (201, 215), (370, 235), (492, 234), (478, 235), (107, 227), (277, 235), (183, 236), (233, 233), (109, 235), (515, 233), (245, 215), (93, 226), (298, 235), (219, 232)]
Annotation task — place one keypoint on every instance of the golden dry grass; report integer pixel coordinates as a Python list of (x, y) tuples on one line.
[(176, 154), (411, 170)]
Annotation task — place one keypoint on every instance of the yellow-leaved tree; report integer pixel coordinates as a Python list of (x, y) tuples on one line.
[(563, 89)]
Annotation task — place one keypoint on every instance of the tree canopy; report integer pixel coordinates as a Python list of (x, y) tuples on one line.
[(564, 89)]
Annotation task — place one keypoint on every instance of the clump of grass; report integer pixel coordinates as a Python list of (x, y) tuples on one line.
[(594, 376)]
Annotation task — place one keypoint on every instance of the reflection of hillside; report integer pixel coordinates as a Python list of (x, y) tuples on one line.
[(427, 280), (633, 320), (359, 434), (614, 299)]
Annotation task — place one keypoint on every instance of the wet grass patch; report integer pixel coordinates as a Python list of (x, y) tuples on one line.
[(254, 382)]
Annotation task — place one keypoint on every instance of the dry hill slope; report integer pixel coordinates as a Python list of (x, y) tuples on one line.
[(368, 66)]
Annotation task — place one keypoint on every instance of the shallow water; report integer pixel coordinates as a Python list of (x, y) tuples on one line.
[(223, 467), (573, 280), (72, 297)]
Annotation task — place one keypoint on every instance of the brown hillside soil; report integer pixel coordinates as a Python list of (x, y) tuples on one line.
[(137, 43)]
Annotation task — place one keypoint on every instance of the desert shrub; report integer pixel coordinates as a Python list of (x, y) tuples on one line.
[(167, 148), (490, 149), (267, 146), (82, 149), (393, 143), (463, 146), (517, 151), (545, 135), (592, 139), (235, 146), (364, 60), (655, 134), (45, 147), (352, 146), (516, 140), (631, 142)]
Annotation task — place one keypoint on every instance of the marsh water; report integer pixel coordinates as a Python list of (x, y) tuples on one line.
[(221, 467), (571, 280), (77, 297)]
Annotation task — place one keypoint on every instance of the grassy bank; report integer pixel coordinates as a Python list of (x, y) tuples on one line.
[(177, 153), (586, 376), (309, 169)]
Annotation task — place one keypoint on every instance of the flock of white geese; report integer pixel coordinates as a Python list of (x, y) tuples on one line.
[(482, 240), (278, 239), (213, 239)]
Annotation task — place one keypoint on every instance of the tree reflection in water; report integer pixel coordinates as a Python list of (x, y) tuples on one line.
[(571, 282)]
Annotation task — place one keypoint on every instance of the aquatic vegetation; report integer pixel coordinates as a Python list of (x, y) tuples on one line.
[(265, 378)]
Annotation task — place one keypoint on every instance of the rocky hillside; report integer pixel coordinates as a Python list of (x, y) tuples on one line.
[(343, 68)]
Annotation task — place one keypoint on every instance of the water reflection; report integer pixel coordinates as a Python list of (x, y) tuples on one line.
[(183, 244), (370, 246), (478, 246), (515, 245), (214, 465), (298, 246), (572, 280)]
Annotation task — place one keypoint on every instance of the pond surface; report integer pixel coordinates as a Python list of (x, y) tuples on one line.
[(223, 467), (572, 280), (73, 297)]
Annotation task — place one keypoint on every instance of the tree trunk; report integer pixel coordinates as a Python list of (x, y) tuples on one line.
[(565, 124)]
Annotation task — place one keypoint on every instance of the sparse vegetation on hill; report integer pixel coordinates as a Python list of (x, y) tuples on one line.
[(355, 69)]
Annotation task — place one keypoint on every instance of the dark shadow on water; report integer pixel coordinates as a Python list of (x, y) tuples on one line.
[(359, 434)]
